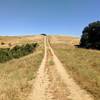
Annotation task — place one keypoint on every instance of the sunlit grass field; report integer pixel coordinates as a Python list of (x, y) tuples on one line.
[(11, 41), (82, 64), (17, 75)]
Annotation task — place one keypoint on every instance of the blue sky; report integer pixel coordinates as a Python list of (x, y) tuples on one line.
[(69, 17)]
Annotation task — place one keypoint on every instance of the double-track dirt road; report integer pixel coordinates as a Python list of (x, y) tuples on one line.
[(53, 82)]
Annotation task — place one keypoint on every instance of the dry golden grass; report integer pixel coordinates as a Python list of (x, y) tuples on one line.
[(65, 40), (10, 41), (82, 64), (17, 75)]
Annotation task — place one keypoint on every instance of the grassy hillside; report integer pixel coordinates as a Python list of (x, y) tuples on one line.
[(11, 41), (17, 75), (82, 64)]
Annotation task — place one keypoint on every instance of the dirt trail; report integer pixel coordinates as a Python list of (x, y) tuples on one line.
[(53, 82)]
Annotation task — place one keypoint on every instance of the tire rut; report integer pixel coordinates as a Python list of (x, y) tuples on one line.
[(53, 82)]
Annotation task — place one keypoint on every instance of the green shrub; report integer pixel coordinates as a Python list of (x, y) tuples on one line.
[(91, 36), (7, 54)]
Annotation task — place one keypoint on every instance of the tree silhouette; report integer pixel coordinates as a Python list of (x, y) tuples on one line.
[(91, 36)]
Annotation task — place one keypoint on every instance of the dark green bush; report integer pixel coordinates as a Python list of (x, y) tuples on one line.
[(91, 36), (43, 34), (7, 54)]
